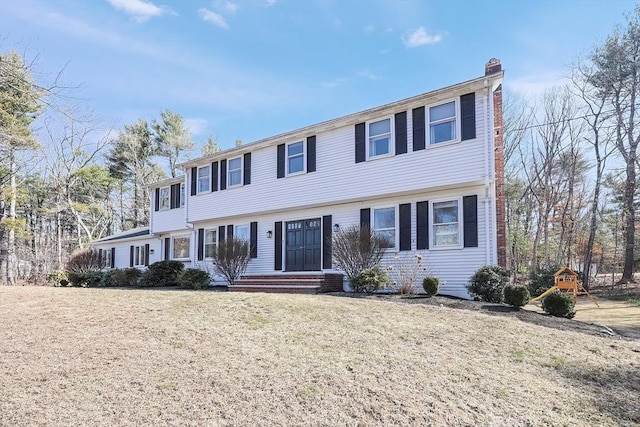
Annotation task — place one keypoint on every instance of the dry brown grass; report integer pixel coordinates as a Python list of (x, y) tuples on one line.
[(73, 356)]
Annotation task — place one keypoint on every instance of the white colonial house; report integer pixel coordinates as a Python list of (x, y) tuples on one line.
[(426, 171)]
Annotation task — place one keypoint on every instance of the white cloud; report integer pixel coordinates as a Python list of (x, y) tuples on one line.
[(271, 2), (420, 37), (213, 17), (139, 9), (368, 74), (227, 6), (369, 29)]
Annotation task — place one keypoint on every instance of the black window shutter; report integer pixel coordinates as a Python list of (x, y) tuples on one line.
[(246, 178), (361, 150), (167, 248), (178, 195), (401, 132), (311, 154), (113, 258), (230, 231), (253, 240), (221, 233), (418, 128), (422, 225), (468, 113), (172, 197), (365, 217), (277, 240), (281, 162), (223, 174), (157, 201), (131, 256), (326, 241), (405, 227), (100, 256), (214, 176), (146, 254), (194, 181), (200, 244), (470, 215)]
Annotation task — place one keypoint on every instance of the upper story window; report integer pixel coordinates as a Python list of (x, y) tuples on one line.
[(443, 123), (210, 241), (204, 180), (234, 173), (241, 232), (446, 224), (379, 137), (165, 195), (295, 157), (384, 224), (181, 247)]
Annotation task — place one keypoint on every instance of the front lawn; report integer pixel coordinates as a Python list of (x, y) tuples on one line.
[(71, 356)]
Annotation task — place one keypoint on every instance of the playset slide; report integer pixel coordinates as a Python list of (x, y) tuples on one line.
[(544, 294)]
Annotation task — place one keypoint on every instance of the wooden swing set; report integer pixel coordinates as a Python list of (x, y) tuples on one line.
[(566, 280)]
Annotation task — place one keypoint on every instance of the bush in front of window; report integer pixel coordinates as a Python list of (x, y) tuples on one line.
[(230, 258), (161, 273), (193, 278), (125, 277), (85, 278), (356, 249), (488, 282), (431, 285), (516, 295), (370, 280), (559, 304)]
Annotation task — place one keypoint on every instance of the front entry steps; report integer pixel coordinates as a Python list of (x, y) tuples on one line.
[(289, 283)]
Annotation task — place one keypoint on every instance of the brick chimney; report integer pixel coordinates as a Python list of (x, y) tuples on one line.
[(492, 67)]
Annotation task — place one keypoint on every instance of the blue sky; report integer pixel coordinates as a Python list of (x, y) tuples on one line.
[(252, 69)]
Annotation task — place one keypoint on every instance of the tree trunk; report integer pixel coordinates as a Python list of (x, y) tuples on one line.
[(629, 215), (11, 233)]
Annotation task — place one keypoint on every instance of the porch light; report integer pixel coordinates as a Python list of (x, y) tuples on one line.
[(269, 234), (336, 227)]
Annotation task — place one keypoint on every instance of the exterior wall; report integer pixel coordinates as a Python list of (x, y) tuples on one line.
[(169, 220), (452, 266), (123, 248), (338, 179)]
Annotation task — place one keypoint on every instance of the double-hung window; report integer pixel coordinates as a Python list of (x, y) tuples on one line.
[(165, 194), (384, 224), (442, 123), (204, 180), (446, 224), (181, 247), (139, 256), (241, 232), (379, 138), (210, 241), (234, 174), (295, 157)]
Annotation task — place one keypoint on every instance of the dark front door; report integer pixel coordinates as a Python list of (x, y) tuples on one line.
[(303, 245)]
